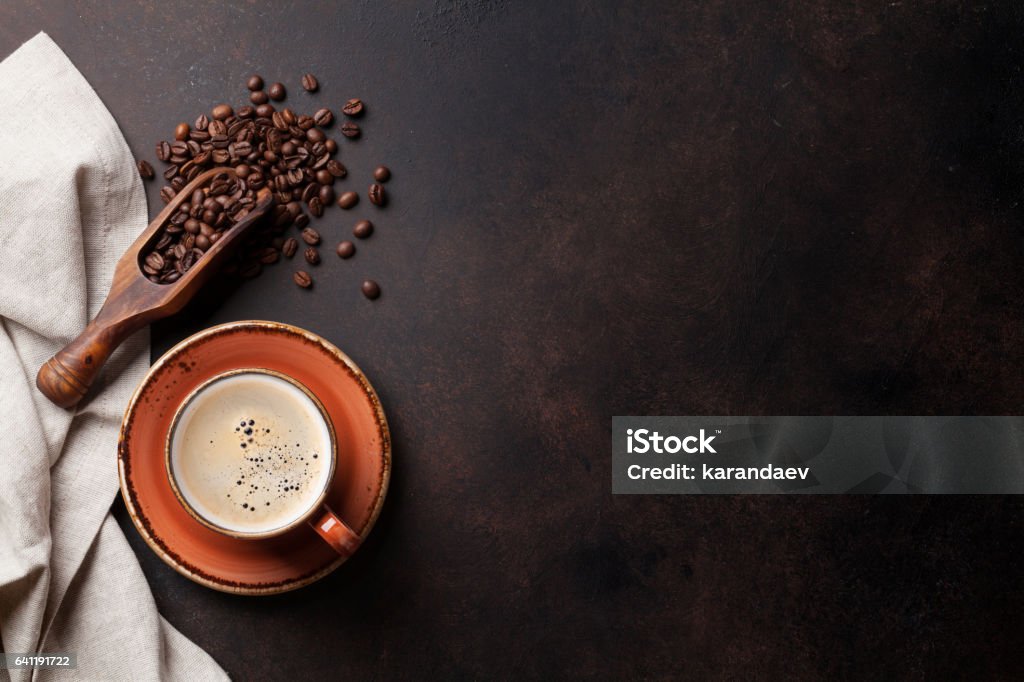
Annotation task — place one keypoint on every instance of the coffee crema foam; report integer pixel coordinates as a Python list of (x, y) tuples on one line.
[(251, 453)]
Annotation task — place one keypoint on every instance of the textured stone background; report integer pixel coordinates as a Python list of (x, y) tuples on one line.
[(686, 208)]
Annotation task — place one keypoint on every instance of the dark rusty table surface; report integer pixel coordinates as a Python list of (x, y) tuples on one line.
[(600, 209)]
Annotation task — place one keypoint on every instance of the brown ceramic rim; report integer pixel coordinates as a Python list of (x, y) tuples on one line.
[(172, 355), (302, 518)]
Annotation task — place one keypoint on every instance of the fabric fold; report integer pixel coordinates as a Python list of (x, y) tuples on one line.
[(71, 202)]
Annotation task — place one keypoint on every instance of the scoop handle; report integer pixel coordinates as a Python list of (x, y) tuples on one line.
[(65, 378)]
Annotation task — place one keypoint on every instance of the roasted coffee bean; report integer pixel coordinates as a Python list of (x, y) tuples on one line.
[(350, 129), (324, 177), (312, 256), (326, 194), (346, 249), (309, 83), (323, 117), (181, 131), (315, 135), (315, 207), (311, 190), (269, 255), (382, 174), (302, 278), (276, 92), (245, 111), (221, 112), (376, 194), (258, 97), (255, 82), (201, 122), (251, 270), (301, 221), (331, 146), (145, 170), (291, 245), (336, 168), (363, 229), (370, 289), (353, 107), (153, 264), (203, 242), (348, 200), (163, 150), (311, 236), (265, 110), (167, 193)]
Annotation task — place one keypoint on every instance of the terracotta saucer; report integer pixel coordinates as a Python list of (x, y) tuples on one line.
[(272, 565)]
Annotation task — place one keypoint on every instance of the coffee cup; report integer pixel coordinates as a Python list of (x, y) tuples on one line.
[(251, 454)]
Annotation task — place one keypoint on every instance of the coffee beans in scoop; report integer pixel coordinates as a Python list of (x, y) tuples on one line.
[(196, 226)]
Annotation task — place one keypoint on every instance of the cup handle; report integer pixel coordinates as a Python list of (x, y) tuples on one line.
[(336, 532)]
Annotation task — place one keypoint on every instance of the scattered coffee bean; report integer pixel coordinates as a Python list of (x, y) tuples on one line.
[(350, 129), (221, 112), (145, 170), (167, 193), (250, 270), (276, 92), (181, 132), (363, 229), (376, 194), (163, 151), (382, 174), (255, 82), (371, 289), (258, 97), (346, 249), (336, 168), (312, 256), (348, 200), (311, 236), (302, 278), (327, 194), (291, 245), (202, 123), (309, 83), (353, 107), (323, 117), (315, 207)]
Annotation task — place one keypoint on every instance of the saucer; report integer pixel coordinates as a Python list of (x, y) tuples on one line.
[(245, 566)]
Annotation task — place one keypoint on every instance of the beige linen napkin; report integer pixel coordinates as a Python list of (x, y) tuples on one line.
[(71, 202)]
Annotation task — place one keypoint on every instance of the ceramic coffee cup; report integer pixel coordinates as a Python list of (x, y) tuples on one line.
[(251, 454)]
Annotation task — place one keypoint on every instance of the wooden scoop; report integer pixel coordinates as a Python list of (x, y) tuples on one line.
[(134, 301)]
